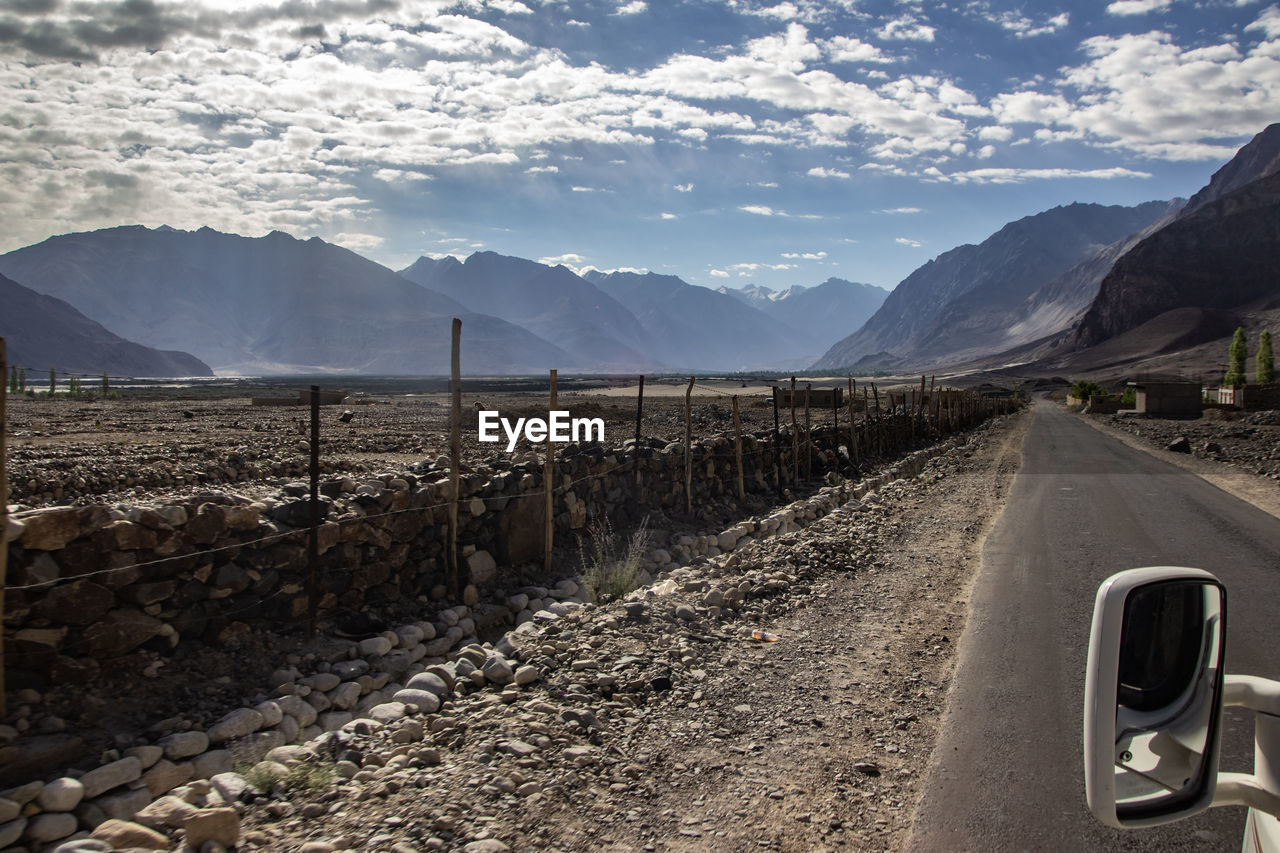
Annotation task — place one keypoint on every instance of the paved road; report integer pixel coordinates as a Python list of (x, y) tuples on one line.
[(1007, 771)]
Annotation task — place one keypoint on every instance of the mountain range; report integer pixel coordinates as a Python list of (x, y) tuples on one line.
[(1078, 286)]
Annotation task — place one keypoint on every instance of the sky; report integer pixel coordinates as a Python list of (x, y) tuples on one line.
[(729, 142)]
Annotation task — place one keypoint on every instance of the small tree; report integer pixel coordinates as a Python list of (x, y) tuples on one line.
[(53, 380), (1266, 361), (106, 386), (22, 380), (1236, 358), (1085, 389)]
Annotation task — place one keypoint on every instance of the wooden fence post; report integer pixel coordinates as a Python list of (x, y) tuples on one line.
[(737, 449), (549, 486), (688, 447), (795, 436), (808, 434), (313, 535), (4, 514), (777, 445), (455, 458), (639, 417), (853, 433), (879, 425)]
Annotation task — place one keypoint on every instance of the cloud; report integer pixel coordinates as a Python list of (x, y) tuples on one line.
[(538, 170), (823, 172), (635, 7), (804, 256), (357, 242), (1137, 7), (1018, 176), (1023, 27), (745, 269), (906, 241), (669, 216), (906, 28), (897, 210), (683, 188), (759, 210), (847, 49), (569, 259), (1268, 23), (1147, 94), (718, 273)]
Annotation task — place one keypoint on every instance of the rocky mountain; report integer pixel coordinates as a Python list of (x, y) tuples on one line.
[(272, 304), (1222, 256), (697, 328), (1259, 158), (823, 314), (42, 332), (552, 302), (979, 300)]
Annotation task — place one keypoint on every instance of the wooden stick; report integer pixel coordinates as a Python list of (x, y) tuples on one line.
[(639, 417), (853, 433), (549, 486), (835, 424), (688, 448), (795, 436), (737, 449), (808, 434), (455, 458), (4, 515), (777, 445), (313, 535)]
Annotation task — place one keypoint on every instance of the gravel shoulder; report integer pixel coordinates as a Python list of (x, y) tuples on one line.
[(671, 729)]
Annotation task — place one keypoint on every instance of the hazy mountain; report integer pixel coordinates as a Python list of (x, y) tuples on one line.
[(552, 302), (978, 300), (271, 304), (697, 328), (823, 314), (42, 332)]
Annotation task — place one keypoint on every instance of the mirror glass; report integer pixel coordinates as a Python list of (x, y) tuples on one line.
[(1167, 694)]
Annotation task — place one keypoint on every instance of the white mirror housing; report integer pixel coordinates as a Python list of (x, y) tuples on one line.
[(1153, 696)]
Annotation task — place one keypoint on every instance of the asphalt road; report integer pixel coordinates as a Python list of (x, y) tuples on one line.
[(1007, 773)]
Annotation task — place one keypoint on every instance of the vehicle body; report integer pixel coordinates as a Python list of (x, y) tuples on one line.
[(1154, 693)]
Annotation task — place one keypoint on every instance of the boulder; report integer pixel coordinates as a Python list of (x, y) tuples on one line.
[(120, 632)]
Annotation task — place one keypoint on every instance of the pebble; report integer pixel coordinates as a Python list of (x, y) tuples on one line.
[(60, 795)]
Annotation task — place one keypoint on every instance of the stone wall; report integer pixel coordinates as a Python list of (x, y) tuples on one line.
[(87, 584)]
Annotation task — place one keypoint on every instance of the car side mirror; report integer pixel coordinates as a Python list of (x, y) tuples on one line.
[(1153, 695)]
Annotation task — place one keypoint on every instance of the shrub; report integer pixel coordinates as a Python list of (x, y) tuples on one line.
[(1266, 359), (1085, 389), (607, 567)]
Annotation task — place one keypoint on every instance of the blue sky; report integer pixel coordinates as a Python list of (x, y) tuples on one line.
[(724, 141)]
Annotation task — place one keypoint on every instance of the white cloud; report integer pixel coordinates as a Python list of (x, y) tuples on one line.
[(759, 210), (1023, 27), (718, 274), (906, 28), (1018, 176), (823, 172), (583, 189), (1137, 7), (897, 210), (745, 269), (906, 241), (635, 7), (1268, 23), (569, 259), (684, 188), (804, 256), (358, 242), (538, 170), (669, 216), (847, 49)]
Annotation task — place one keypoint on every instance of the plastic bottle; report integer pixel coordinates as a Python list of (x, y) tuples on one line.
[(764, 636)]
